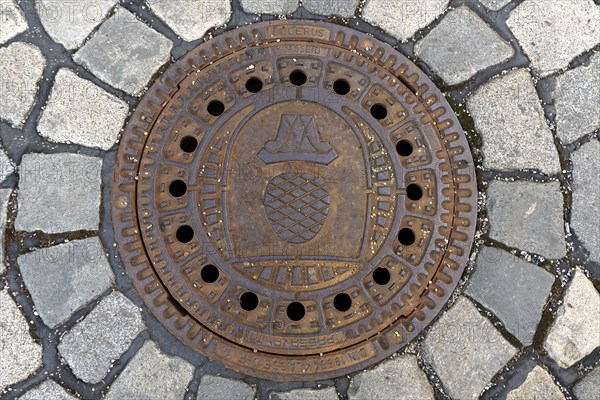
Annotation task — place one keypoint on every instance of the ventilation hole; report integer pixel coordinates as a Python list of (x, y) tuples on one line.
[(381, 276), (298, 78), (414, 192), (378, 111), (249, 301), (188, 144), (342, 302), (215, 108), (185, 234), (177, 188), (406, 236), (254, 85), (404, 148), (209, 273), (341, 87), (295, 311)]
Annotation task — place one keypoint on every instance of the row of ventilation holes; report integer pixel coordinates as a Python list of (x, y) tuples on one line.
[(295, 310)]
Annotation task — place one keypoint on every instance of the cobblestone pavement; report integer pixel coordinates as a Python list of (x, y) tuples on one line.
[(524, 79)]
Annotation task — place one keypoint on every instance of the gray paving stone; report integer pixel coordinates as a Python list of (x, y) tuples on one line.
[(552, 33), (47, 390), (398, 378), (494, 5), (21, 68), (537, 385), (275, 7), (585, 209), (574, 333), (4, 198), (58, 193), (520, 212), (589, 387), (82, 113), (218, 388), (71, 22), (576, 98), (21, 356), (403, 18), (7, 167), (343, 8), (191, 19), (163, 377), (61, 279), (306, 394), (508, 115), (12, 20), (465, 350), (112, 56), (515, 291), (102, 337), (462, 45)]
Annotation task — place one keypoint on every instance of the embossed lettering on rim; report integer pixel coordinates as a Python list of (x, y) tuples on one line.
[(294, 199)]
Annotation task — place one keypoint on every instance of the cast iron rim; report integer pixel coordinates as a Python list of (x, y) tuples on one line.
[(173, 188)]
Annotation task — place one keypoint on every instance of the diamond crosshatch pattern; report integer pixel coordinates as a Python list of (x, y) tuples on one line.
[(297, 205)]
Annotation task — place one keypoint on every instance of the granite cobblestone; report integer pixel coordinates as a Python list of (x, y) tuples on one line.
[(552, 33), (102, 337), (64, 278), (462, 45), (191, 19), (70, 23), (21, 68), (20, 355), (402, 18), (13, 20), (109, 53)]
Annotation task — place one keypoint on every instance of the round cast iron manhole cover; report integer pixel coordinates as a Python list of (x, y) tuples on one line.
[(294, 199)]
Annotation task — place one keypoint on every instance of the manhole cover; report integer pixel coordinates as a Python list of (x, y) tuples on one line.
[(294, 199)]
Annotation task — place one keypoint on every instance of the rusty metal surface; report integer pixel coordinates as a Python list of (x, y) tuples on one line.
[(294, 199)]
